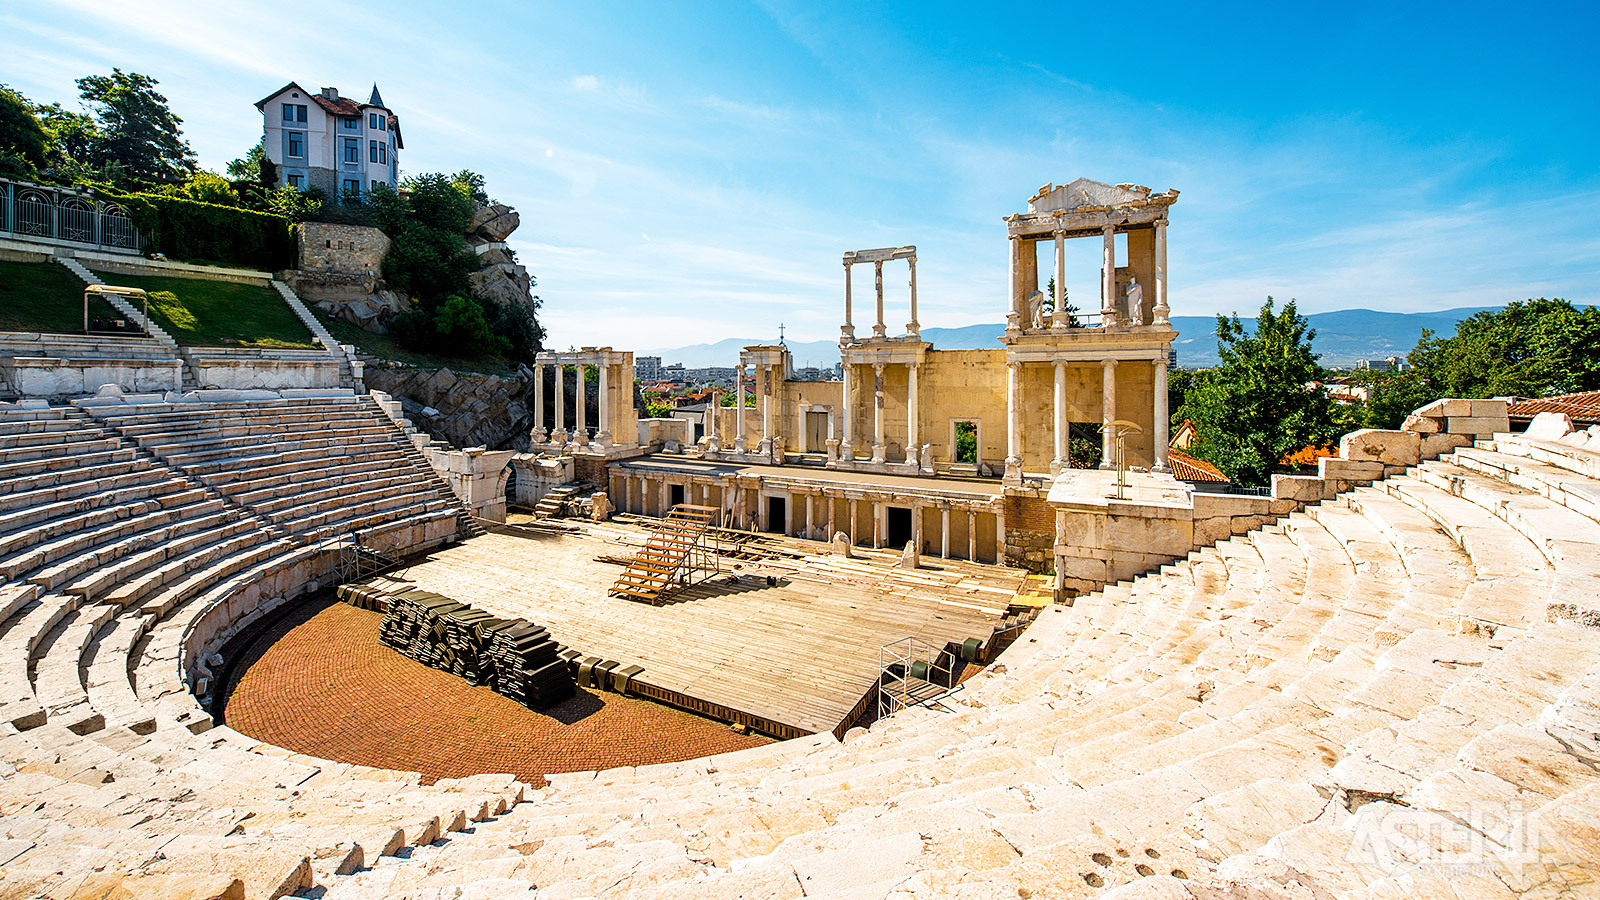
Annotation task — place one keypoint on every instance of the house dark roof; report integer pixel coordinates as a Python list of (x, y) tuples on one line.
[(1187, 468), (343, 106), (376, 99)]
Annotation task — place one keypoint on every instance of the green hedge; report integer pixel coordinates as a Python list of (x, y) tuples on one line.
[(190, 230)]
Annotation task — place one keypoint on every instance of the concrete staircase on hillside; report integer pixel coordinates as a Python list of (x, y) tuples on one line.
[(350, 367), (134, 315)]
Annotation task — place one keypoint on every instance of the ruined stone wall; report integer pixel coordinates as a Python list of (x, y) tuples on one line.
[(342, 249), (1030, 532)]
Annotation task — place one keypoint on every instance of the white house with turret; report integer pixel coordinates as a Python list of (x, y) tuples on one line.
[(331, 142)]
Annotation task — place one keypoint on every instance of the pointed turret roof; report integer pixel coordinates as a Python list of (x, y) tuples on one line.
[(376, 99)]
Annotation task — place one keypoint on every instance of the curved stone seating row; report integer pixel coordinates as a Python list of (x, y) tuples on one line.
[(119, 575), (1279, 716)]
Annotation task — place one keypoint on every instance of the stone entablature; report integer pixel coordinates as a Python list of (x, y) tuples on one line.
[(1131, 295)]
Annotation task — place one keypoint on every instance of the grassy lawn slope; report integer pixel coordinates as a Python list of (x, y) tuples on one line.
[(218, 313), (45, 297)]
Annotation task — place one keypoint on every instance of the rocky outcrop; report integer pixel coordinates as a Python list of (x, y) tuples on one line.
[(501, 278), (494, 223), (464, 410)]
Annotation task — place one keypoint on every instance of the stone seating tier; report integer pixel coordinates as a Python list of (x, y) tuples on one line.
[(1239, 717), (117, 572), (1239, 723)]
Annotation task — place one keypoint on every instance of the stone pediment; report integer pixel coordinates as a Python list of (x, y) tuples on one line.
[(1086, 192)]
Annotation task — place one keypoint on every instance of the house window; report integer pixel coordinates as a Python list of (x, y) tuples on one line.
[(288, 112), (296, 181), (352, 150), (372, 151), (352, 124), (294, 112), (352, 186), (378, 121), (375, 183), (294, 145)]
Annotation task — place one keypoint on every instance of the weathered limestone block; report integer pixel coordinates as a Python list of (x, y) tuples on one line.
[(1479, 426), (1435, 445), (600, 507), (1423, 424), (1304, 488), (1348, 470), (841, 544), (1394, 448), (1458, 408), (1549, 426)]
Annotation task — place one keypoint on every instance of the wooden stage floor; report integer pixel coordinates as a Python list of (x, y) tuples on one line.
[(803, 653)]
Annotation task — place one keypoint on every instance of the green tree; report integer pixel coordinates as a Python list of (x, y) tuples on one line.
[(1262, 403), (1531, 348), (137, 131), (248, 166), (72, 139), (22, 139), (463, 329), (206, 187)]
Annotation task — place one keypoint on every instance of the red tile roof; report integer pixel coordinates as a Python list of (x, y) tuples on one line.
[(343, 106), (1583, 407), (1188, 468)]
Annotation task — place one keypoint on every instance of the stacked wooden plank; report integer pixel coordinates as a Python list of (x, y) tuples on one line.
[(528, 666), (519, 659)]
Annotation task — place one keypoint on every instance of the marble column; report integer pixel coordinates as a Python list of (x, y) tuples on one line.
[(847, 331), (1108, 278), (1059, 319), (1162, 312), (714, 422), (827, 517), (559, 435), (851, 501), (912, 327), (583, 404), (916, 532), (944, 531), (913, 441), (766, 409), (1014, 321), (603, 407), (1159, 442), (1013, 473), (1000, 536), (972, 535), (738, 412), (1059, 461), (539, 431), (847, 447), (877, 269), (666, 499), (1108, 412), (806, 526), (879, 521), (877, 413)]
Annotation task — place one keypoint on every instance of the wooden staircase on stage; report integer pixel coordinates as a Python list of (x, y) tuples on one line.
[(676, 550)]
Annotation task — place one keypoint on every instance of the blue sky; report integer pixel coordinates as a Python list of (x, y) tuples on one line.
[(690, 174)]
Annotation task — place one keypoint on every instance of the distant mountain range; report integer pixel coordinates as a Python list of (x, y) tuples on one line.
[(1343, 337)]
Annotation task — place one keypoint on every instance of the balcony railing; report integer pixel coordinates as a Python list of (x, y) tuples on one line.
[(55, 215)]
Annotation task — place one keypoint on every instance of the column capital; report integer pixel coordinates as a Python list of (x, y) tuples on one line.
[(1108, 230), (877, 367), (1108, 363), (1160, 223), (1059, 364)]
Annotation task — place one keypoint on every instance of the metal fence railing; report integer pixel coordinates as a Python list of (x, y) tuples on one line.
[(56, 214)]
